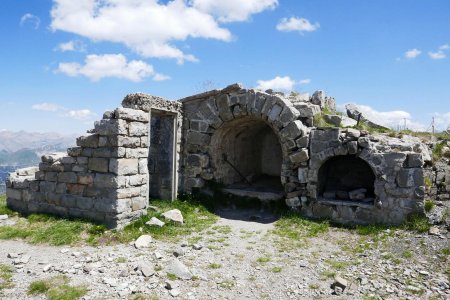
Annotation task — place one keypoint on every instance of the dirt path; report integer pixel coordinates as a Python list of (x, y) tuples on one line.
[(244, 259)]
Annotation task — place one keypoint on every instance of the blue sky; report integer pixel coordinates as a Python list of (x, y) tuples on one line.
[(63, 62)]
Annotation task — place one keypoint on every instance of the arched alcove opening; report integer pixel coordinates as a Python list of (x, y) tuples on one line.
[(346, 178), (247, 157)]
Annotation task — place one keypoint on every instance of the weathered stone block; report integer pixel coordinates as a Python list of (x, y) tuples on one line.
[(90, 141), (303, 142), (111, 127), (328, 134), (197, 160), (293, 131), (132, 115), (51, 176), (109, 181), (414, 160), (74, 152), (137, 180), (124, 166), (85, 179), (84, 203), (138, 129), (352, 147), (299, 156), (75, 189), (364, 142), (138, 203), (136, 153), (198, 138), (14, 194), (143, 166), (98, 164), (46, 186), (223, 106)]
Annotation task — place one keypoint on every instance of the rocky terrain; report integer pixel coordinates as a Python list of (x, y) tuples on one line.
[(245, 255)]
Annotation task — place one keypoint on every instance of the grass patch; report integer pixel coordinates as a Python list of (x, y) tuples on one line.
[(263, 259), (3, 209), (57, 288), (5, 277), (142, 296), (276, 269), (121, 260), (42, 228), (417, 223), (227, 284), (196, 219), (328, 274), (171, 276), (428, 205), (407, 254), (371, 229), (215, 266), (295, 227), (337, 265)]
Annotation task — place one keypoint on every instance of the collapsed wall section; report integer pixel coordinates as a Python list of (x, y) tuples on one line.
[(104, 179)]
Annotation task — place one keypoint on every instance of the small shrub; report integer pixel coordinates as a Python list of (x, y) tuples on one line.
[(417, 223), (171, 276), (407, 254), (429, 205)]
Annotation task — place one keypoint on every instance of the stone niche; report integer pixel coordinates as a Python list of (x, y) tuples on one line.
[(258, 144)]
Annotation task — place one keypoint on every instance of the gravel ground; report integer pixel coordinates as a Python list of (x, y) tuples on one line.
[(238, 258)]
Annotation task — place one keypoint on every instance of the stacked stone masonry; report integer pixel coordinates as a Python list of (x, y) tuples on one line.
[(151, 146)]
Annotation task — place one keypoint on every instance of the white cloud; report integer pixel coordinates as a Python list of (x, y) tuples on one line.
[(444, 47), (150, 27), (305, 81), (97, 67), (71, 46), (45, 106), (277, 84), (233, 10), (297, 24), (81, 115), (442, 121), (392, 119), (412, 53), (437, 55), (32, 19)]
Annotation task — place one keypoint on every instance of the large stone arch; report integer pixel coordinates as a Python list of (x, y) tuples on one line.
[(211, 116)]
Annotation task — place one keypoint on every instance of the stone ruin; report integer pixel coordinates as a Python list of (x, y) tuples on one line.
[(257, 144)]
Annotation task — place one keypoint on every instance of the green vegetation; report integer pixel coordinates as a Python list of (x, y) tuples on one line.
[(293, 226), (429, 205), (314, 286), (215, 266), (3, 209), (227, 284), (5, 277), (57, 288), (407, 254), (319, 119), (171, 276), (417, 223), (437, 152), (196, 219), (42, 228), (276, 269), (428, 183), (141, 296), (263, 259)]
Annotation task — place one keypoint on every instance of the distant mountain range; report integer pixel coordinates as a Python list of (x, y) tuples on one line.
[(25, 148)]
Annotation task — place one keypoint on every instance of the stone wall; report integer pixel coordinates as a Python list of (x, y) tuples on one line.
[(104, 179), (209, 117), (396, 164), (158, 148)]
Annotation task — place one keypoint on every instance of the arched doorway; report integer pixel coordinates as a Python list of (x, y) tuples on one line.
[(247, 158), (346, 178)]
